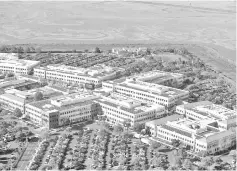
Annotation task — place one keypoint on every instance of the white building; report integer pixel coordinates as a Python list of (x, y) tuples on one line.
[(129, 49), (149, 92), (15, 99), (226, 118), (18, 66), (8, 56), (53, 112), (203, 135), (152, 125), (159, 77), (94, 75), (119, 108)]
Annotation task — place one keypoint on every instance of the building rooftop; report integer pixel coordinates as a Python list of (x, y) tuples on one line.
[(46, 91), (4, 84), (16, 98), (127, 104), (195, 104), (96, 71), (164, 120), (49, 105), (153, 88), (18, 62), (178, 131), (156, 75)]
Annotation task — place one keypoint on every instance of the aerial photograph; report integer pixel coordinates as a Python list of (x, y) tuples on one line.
[(118, 85)]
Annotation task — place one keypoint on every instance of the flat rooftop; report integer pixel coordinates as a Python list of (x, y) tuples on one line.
[(94, 72), (215, 111), (176, 130), (163, 120), (46, 105), (195, 104), (153, 88), (157, 74), (18, 62), (16, 98), (137, 109), (71, 97)]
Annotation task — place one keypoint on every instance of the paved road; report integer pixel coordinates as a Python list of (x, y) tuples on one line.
[(27, 156)]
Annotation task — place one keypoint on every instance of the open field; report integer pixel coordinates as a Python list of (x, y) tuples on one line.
[(206, 28), (118, 22)]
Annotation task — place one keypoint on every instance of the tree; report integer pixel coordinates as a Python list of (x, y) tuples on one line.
[(106, 126), (20, 136), (175, 142), (38, 96), (218, 160), (10, 74), (127, 123), (18, 113), (118, 129), (4, 112), (3, 131), (155, 145), (65, 121), (202, 153), (177, 161), (187, 164), (102, 133), (97, 50), (182, 153), (138, 127), (206, 161)]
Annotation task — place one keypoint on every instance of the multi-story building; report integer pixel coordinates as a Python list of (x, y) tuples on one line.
[(18, 66), (53, 112), (129, 49), (152, 125), (226, 118), (94, 75), (159, 77), (13, 98), (7, 56), (119, 108), (203, 135), (149, 92), (16, 99)]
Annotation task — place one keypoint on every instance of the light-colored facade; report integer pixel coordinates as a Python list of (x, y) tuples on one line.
[(159, 77), (53, 112), (94, 75), (149, 92), (119, 108), (202, 135), (19, 66), (152, 125), (8, 56), (129, 49), (226, 118), (13, 100)]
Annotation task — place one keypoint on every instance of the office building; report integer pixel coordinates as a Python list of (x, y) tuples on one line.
[(226, 118), (54, 112), (94, 75), (203, 135), (18, 66), (160, 77), (120, 108), (149, 92)]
